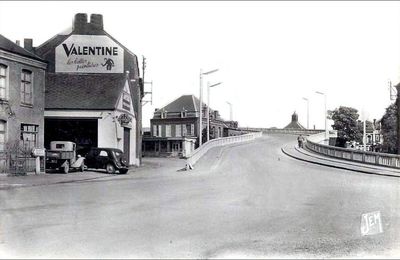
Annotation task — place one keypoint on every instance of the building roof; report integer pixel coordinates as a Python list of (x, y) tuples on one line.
[(87, 92), (294, 124), (8, 45), (184, 102)]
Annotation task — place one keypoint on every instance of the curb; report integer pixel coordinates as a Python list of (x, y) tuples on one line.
[(18, 185), (336, 166)]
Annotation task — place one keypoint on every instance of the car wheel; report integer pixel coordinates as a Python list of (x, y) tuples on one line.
[(66, 168), (110, 168)]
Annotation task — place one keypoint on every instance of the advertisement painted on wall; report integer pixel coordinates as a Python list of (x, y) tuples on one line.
[(89, 54)]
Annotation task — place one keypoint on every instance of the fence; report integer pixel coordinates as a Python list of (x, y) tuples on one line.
[(382, 159), (199, 152)]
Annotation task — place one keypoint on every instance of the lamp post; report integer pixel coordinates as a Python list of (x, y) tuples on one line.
[(308, 112), (230, 111), (201, 103), (326, 123), (208, 107)]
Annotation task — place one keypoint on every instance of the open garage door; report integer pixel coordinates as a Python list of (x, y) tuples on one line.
[(83, 132)]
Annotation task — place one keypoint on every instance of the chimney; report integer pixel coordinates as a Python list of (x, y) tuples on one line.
[(96, 21), (17, 42), (28, 45), (216, 114), (80, 22)]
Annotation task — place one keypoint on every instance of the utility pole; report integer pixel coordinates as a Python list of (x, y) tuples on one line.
[(398, 117), (230, 111), (208, 107), (143, 66), (308, 112), (364, 134), (326, 115), (201, 103), (144, 102), (201, 109)]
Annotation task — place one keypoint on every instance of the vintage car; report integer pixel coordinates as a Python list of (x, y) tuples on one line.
[(62, 156), (110, 159)]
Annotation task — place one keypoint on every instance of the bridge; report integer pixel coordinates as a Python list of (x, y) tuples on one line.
[(241, 200)]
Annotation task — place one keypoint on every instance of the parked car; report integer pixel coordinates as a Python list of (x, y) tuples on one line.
[(110, 159), (62, 156)]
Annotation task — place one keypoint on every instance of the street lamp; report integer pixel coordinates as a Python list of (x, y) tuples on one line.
[(308, 112), (208, 107), (201, 102), (326, 123), (230, 111)]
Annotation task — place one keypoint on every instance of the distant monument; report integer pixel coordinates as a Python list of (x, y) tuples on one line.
[(295, 123)]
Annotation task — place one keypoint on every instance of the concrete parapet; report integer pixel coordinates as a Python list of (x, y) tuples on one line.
[(199, 152)]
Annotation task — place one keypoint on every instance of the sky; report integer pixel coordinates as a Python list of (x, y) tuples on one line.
[(270, 55)]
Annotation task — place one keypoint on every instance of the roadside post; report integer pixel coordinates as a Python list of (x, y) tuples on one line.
[(38, 152)]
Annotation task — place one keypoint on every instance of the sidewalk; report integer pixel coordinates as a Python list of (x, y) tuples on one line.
[(8, 182), (150, 168), (302, 154)]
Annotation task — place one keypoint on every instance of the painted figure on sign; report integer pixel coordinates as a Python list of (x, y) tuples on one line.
[(109, 63)]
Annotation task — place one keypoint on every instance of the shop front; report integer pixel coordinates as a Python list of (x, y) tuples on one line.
[(93, 90), (108, 120)]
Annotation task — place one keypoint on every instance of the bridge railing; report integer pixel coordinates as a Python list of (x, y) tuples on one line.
[(293, 131), (199, 152), (382, 159)]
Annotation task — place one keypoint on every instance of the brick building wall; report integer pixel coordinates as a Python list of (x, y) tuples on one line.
[(16, 116)]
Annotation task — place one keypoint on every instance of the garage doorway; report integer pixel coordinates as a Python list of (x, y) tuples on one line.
[(83, 132), (127, 141)]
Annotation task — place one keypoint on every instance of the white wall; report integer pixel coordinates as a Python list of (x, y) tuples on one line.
[(107, 133), (111, 134)]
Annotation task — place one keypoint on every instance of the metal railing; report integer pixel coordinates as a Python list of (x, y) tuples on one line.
[(382, 159), (199, 152)]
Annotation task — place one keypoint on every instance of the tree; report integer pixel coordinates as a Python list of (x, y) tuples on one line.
[(389, 129), (345, 122)]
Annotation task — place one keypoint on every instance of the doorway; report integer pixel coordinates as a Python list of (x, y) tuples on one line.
[(127, 141)]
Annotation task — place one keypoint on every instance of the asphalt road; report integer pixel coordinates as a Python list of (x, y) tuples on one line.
[(245, 201)]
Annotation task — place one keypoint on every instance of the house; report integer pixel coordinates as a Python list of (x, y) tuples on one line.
[(22, 85), (174, 129)]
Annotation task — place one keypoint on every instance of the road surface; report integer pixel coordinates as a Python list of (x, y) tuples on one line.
[(245, 201)]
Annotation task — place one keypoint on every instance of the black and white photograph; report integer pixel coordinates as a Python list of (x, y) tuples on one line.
[(199, 129)]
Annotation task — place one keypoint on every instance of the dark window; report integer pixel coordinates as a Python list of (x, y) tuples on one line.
[(2, 135), (3, 81), (26, 87), (188, 130), (183, 114), (29, 134)]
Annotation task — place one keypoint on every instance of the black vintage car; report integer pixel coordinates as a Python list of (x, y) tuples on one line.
[(110, 159)]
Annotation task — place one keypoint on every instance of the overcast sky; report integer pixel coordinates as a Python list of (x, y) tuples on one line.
[(270, 54)]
